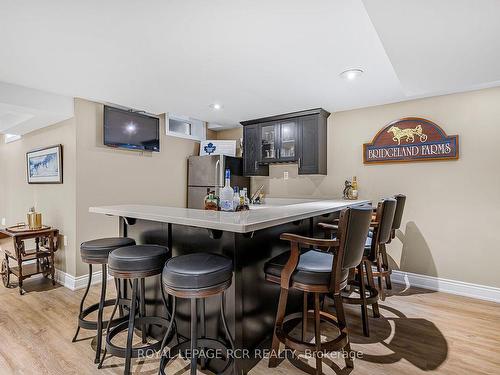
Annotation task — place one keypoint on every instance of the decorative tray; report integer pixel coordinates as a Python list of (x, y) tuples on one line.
[(23, 228)]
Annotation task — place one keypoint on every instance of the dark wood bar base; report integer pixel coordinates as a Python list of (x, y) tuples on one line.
[(251, 301)]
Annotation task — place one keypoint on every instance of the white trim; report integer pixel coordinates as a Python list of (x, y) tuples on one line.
[(483, 292), (80, 282)]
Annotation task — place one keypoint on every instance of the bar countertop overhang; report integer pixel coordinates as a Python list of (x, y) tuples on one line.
[(277, 211)]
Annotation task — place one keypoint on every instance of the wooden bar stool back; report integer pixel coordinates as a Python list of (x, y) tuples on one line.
[(375, 251), (398, 214), (323, 270)]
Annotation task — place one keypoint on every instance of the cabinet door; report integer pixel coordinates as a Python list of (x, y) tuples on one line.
[(251, 152), (269, 136), (308, 158), (288, 140)]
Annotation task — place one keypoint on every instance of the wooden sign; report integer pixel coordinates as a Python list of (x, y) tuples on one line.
[(410, 139)]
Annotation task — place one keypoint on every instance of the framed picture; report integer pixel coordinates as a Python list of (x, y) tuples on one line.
[(44, 165)]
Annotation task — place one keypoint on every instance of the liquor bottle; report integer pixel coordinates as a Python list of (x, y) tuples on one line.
[(245, 202), (236, 199), (226, 194), (211, 201), (354, 188)]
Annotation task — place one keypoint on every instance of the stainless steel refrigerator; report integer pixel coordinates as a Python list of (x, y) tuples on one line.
[(208, 172)]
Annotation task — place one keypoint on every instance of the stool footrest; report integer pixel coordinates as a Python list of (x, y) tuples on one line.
[(120, 351), (204, 343), (290, 321), (92, 324), (371, 299)]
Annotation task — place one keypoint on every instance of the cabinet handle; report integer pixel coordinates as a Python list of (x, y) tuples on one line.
[(255, 166), (278, 153), (299, 163)]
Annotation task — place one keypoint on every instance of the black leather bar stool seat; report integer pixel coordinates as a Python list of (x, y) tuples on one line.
[(97, 252), (135, 263), (314, 267), (139, 261), (197, 276), (197, 271)]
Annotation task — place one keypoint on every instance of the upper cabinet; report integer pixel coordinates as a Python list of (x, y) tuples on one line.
[(252, 152), (298, 137)]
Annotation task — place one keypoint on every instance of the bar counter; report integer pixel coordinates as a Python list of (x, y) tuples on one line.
[(249, 238)]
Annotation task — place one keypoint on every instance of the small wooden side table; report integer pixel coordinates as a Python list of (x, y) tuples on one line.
[(13, 240)]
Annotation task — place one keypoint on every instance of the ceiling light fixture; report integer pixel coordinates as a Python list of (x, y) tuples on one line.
[(216, 106), (351, 74)]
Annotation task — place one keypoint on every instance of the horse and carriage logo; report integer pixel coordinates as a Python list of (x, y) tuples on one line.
[(410, 139), (408, 133)]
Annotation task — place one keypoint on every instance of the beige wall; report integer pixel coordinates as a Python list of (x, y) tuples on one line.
[(55, 202), (450, 222), (110, 176), (93, 175), (452, 214)]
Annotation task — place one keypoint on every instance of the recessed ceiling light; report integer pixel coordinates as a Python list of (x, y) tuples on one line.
[(351, 74), (216, 106)]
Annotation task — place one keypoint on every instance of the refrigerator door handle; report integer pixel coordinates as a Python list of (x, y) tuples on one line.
[(217, 183)]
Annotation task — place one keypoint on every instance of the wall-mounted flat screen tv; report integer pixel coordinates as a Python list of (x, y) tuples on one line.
[(131, 130)]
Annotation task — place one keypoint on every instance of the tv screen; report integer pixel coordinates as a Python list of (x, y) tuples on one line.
[(131, 130)]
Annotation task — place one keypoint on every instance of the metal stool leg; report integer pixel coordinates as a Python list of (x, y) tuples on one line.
[(194, 334), (170, 326), (142, 311), (83, 300), (131, 321), (224, 322), (118, 284), (99, 314), (203, 329), (117, 303)]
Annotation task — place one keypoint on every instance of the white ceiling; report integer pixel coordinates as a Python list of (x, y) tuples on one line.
[(440, 46), (256, 58), (23, 110)]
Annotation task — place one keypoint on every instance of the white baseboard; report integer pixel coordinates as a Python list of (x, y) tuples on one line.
[(460, 288), (80, 282), (483, 292)]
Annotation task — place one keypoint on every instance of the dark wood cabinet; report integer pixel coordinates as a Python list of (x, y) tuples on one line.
[(299, 137), (252, 165)]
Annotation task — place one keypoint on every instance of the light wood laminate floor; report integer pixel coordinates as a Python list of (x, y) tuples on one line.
[(420, 332)]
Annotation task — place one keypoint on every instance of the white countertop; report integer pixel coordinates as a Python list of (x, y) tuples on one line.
[(275, 211)]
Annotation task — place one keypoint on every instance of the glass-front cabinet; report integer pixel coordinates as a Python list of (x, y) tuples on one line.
[(288, 140), (279, 141), (297, 138), (269, 137)]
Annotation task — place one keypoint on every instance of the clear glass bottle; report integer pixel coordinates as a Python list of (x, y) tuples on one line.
[(226, 194)]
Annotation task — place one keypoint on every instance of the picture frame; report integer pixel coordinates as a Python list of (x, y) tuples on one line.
[(45, 165)]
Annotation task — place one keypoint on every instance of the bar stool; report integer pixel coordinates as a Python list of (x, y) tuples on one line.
[(375, 247), (135, 263), (322, 270), (396, 224), (97, 252), (197, 276)]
